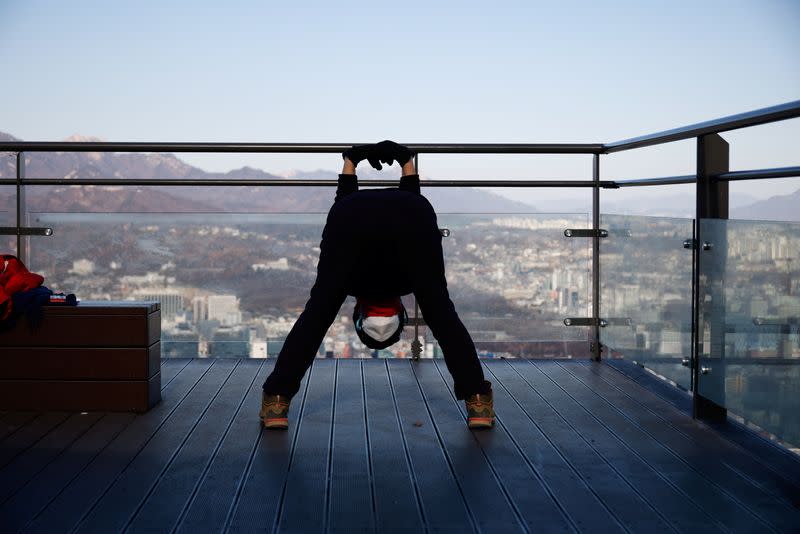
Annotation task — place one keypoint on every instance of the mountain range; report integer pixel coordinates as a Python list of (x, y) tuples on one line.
[(287, 199)]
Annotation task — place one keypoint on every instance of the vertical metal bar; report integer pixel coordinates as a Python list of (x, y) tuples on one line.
[(712, 203), (596, 347), (693, 357), (22, 252)]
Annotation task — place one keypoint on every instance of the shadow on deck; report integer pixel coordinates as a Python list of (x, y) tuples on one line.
[(383, 445)]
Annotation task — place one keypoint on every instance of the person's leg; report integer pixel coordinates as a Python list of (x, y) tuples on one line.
[(327, 295), (430, 289)]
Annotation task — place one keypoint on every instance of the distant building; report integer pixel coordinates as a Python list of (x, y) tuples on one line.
[(199, 309), (173, 303), (225, 309), (82, 267), (281, 264)]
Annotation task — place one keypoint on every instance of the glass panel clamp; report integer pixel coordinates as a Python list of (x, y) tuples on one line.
[(585, 232), (585, 321), (13, 230)]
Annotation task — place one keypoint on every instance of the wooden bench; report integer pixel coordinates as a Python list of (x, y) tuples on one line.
[(96, 356)]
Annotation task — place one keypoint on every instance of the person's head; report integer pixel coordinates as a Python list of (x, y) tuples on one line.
[(379, 322)]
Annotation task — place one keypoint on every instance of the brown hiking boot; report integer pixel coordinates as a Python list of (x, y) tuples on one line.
[(275, 411), (480, 410)]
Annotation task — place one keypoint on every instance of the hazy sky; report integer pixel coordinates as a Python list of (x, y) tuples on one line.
[(410, 71)]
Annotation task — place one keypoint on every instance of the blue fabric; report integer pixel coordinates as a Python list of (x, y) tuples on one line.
[(28, 303)]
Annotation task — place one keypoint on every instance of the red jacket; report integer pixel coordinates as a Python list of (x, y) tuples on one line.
[(14, 277)]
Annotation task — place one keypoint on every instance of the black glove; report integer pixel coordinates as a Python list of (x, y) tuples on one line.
[(389, 151), (358, 153)]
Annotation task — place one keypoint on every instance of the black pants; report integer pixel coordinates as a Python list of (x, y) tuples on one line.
[(379, 243)]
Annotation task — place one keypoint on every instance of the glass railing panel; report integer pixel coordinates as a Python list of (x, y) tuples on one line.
[(232, 284), (750, 321), (8, 210), (514, 277), (646, 292)]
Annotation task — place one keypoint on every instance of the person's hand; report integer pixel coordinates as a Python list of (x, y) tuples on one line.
[(388, 152), (358, 153)]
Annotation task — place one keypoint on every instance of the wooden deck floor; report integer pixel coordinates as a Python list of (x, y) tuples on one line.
[(381, 445)]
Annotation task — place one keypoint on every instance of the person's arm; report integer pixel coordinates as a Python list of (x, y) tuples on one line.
[(348, 181), (409, 181)]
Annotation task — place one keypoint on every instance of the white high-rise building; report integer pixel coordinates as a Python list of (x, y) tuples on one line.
[(225, 309)]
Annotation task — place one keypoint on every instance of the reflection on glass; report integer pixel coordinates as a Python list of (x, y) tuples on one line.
[(232, 285), (8, 243), (646, 292), (749, 333)]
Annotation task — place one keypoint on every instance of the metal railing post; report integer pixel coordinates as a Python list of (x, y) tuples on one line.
[(22, 249), (709, 297), (596, 347)]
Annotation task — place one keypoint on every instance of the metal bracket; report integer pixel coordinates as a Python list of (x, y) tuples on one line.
[(593, 350), (584, 321), (618, 321), (585, 232), (13, 230)]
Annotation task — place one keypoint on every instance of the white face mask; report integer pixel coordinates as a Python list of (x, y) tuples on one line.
[(381, 328)]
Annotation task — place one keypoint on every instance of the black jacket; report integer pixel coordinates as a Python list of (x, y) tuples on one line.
[(380, 229)]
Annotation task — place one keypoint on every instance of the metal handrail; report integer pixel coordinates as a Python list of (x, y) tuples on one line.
[(666, 180), (291, 182), (760, 174), (754, 174), (756, 117), (780, 112), (287, 148)]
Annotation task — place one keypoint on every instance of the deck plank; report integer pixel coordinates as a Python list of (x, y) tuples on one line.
[(13, 421), (170, 369), (305, 502), (672, 505), (350, 504), (217, 492), (16, 512), (716, 467), (76, 499), (123, 498), (443, 504), (524, 415), (705, 494), (174, 487), (396, 503), (26, 436), (770, 454), (741, 460), (532, 500), (258, 502), (28, 464), (484, 495)]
